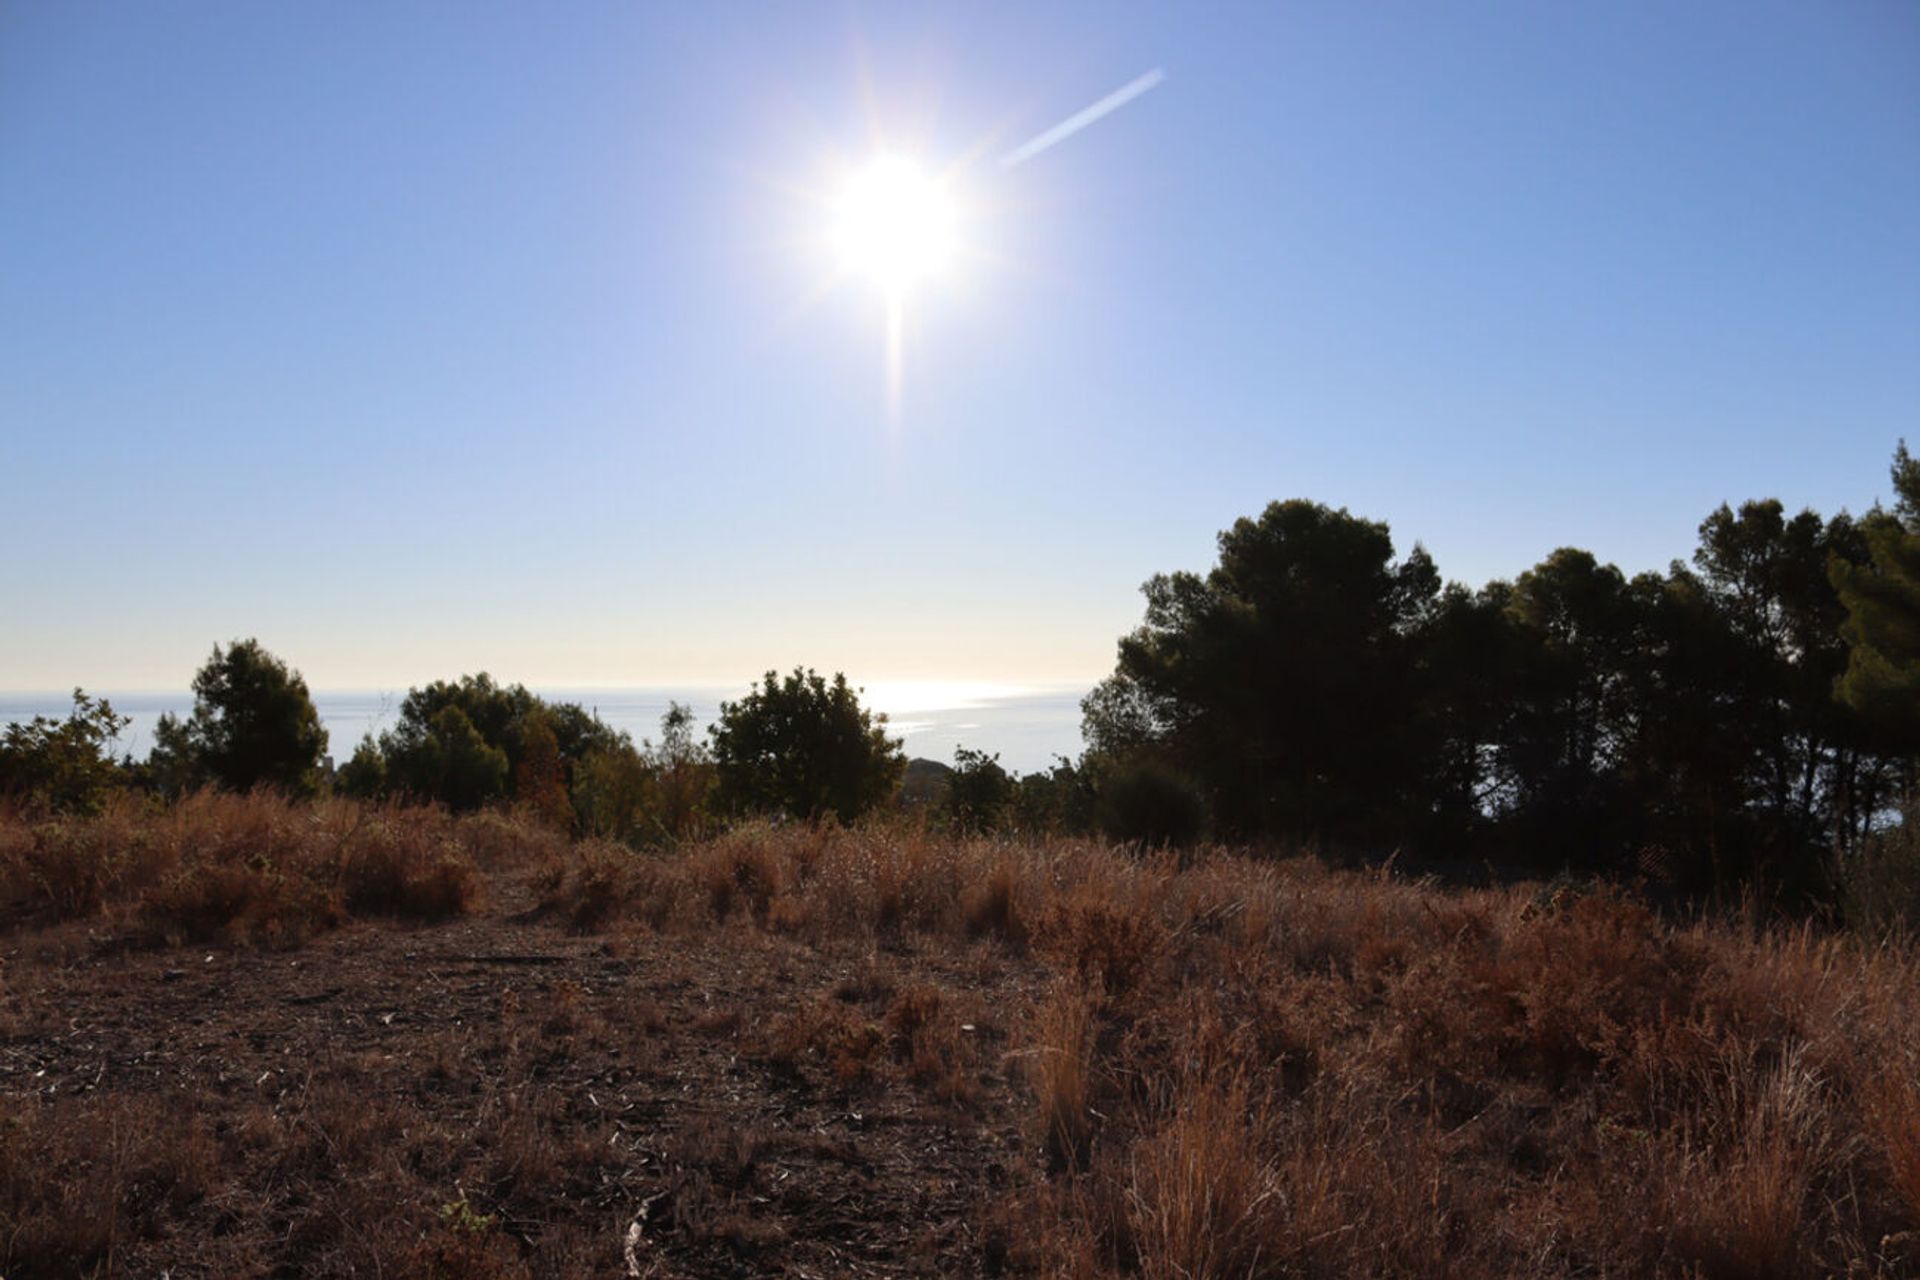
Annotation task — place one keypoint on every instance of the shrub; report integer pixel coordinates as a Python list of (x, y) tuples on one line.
[(66, 764), (506, 719), (540, 779), (1202, 1197), (256, 868), (683, 777), (253, 724), (653, 794), (1059, 801), (407, 867), (1879, 883), (450, 762), (1145, 802), (606, 882), (364, 776), (980, 794), (613, 794), (992, 906), (804, 748)]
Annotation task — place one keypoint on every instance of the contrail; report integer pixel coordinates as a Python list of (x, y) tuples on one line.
[(1081, 119)]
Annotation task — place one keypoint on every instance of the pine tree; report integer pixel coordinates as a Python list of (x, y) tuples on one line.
[(1882, 598)]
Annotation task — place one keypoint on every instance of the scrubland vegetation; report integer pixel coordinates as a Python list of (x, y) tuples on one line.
[(1748, 723), (1209, 1066), (1565, 927)]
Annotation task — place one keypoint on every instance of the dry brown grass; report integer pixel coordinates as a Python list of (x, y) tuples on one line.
[(1229, 1068), (1061, 1071), (1397, 1080), (1203, 1195), (244, 869), (80, 1183)]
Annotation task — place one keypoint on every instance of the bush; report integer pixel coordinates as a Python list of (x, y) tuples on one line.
[(64, 763), (365, 775), (253, 724), (1879, 883), (540, 779), (653, 794), (1057, 802), (541, 746), (683, 776), (1146, 802), (804, 748), (409, 870), (612, 794), (450, 762), (980, 794), (218, 867)]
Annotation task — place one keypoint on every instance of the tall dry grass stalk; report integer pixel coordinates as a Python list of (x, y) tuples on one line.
[(1061, 1069), (1204, 1197)]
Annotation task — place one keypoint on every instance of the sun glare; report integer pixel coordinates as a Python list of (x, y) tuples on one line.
[(894, 224)]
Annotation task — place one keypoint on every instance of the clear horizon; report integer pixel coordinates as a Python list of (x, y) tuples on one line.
[(418, 341)]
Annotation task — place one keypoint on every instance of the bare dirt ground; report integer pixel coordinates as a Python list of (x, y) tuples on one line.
[(497, 1095)]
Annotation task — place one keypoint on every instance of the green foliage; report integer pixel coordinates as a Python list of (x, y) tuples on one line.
[(613, 794), (976, 794), (655, 794), (1148, 802), (1470, 654), (540, 779), (805, 748), (1059, 801), (67, 764), (1591, 717), (1879, 882), (453, 763), (980, 794), (1281, 682), (509, 720), (1882, 602), (1812, 773), (450, 736), (684, 776), (1571, 710), (1680, 725), (365, 774), (461, 1217), (253, 724)]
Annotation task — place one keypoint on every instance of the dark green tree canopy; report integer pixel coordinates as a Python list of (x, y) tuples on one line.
[(1314, 687), (365, 773), (1280, 680), (1881, 598), (979, 792), (804, 747), (253, 724), (454, 763), (417, 754), (66, 763)]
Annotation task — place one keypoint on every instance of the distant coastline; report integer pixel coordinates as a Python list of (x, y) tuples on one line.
[(1028, 728)]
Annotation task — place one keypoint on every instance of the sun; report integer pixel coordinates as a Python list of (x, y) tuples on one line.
[(894, 224)]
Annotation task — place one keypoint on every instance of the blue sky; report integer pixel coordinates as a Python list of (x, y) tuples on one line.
[(425, 338)]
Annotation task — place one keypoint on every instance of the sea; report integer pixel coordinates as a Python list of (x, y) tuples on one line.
[(1027, 726)]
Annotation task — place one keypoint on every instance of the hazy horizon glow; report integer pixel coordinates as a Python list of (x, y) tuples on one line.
[(417, 343)]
